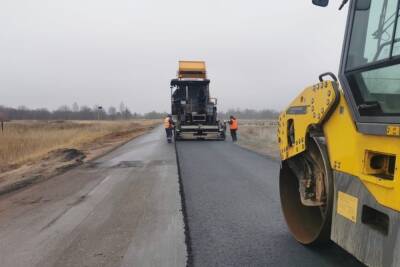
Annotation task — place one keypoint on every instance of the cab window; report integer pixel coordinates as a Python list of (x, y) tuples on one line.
[(371, 69), (372, 32)]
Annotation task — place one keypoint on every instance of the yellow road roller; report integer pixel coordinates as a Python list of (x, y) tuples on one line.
[(339, 143)]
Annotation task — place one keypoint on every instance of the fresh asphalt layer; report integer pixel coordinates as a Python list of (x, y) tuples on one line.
[(122, 210), (233, 213)]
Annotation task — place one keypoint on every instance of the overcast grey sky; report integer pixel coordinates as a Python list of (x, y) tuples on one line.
[(259, 53)]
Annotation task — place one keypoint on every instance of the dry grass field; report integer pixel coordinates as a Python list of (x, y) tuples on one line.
[(259, 136), (25, 141)]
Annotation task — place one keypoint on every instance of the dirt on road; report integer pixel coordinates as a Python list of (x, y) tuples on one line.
[(122, 209), (32, 151)]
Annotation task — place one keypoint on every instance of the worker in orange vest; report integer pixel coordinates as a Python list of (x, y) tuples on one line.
[(233, 125), (169, 126)]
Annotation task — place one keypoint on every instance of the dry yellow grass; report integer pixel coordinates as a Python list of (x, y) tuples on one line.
[(259, 136), (23, 141)]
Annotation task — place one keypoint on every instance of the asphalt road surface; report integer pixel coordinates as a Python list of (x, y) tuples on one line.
[(125, 210), (233, 211), (122, 210)]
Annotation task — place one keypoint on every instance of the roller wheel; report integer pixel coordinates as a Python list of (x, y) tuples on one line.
[(309, 225)]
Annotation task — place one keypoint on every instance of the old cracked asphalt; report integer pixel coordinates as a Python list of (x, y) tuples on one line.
[(122, 210)]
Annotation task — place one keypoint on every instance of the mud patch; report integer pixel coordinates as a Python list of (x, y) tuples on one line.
[(67, 167), (140, 164), (92, 165), (19, 184), (54, 162), (130, 164), (67, 154), (32, 200), (17, 176)]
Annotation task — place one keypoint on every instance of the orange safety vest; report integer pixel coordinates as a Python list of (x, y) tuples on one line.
[(234, 125), (167, 123)]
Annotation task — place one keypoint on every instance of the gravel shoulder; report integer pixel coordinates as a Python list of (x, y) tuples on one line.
[(60, 160), (259, 136), (123, 209)]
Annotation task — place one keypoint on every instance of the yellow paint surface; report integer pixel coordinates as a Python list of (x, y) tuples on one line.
[(192, 69), (347, 206), (347, 148), (393, 130), (317, 101)]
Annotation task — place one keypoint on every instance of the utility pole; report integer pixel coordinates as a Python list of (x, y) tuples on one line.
[(99, 109), (3, 117)]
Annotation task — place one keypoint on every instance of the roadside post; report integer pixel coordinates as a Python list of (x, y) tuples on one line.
[(99, 108), (2, 119)]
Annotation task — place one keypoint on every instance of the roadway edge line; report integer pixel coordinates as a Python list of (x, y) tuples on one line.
[(188, 241)]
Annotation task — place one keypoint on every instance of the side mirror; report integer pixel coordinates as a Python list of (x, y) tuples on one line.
[(363, 4), (322, 3)]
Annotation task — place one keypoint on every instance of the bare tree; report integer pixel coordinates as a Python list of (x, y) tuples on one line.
[(86, 113), (3, 118), (112, 112), (122, 108), (74, 113), (250, 114), (22, 107), (75, 107)]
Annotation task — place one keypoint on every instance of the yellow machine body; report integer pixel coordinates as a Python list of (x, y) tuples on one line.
[(340, 147), (349, 151), (310, 108), (352, 152), (366, 199), (192, 69)]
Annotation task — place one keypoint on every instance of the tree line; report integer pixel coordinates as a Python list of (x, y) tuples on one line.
[(250, 114), (76, 112)]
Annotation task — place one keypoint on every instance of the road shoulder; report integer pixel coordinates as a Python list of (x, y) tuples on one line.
[(123, 210), (59, 161)]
